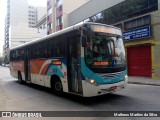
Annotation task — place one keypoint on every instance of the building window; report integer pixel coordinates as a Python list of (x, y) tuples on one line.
[(50, 26), (59, 20), (49, 11), (58, 3), (125, 10), (44, 25), (39, 30), (138, 22), (48, 3)]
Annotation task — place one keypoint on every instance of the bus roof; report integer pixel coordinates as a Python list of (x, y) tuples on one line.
[(65, 30)]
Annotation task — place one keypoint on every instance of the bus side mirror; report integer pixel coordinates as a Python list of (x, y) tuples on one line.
[(83, 41)]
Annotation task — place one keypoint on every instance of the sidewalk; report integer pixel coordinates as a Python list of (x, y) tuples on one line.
[(143, 81), (7, 65)]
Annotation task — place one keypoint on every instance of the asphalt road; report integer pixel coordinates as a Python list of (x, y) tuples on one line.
[(17, 97)]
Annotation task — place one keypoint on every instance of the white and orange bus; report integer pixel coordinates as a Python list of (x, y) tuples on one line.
[(86, 59)]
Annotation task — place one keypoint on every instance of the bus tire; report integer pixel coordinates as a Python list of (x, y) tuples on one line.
[(20, 78), (56, 86)]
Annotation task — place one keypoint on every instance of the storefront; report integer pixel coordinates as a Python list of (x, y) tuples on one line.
[(140, 25), (139, 56)]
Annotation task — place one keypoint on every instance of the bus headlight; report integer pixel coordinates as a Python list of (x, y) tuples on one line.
[(92, 81), (126, 77)]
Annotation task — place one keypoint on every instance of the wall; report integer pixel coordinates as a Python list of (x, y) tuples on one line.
[(19, 31), (18, 8), (21, 34), (89, 9), (69, 6), (41, 11), (156, 48)]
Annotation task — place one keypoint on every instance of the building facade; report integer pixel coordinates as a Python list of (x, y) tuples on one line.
[(20, 23), (32, 16), (42, 27), (57, 13), (35, 14), (15, 11), (140, 23)]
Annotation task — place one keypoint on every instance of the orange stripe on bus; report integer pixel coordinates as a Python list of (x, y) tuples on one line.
[(43, 72), (36, 66)]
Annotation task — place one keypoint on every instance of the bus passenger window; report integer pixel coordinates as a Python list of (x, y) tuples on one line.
[(32, 52), (51, 48)]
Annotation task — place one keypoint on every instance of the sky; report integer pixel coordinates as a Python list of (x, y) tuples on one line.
[(3, 7)]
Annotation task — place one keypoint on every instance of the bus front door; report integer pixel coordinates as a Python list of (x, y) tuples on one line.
[(27, 55), (74, 66)]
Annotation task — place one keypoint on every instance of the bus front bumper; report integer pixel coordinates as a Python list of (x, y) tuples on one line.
[(90, 90)]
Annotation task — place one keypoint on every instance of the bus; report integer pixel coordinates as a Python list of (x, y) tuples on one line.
[(87, 59)]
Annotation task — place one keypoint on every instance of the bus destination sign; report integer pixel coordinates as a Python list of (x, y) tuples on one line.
[(103, 29)]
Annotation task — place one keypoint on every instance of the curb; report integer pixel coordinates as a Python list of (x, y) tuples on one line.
[(4, 66), (140, 83)]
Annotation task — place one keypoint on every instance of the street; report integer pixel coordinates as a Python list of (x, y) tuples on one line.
[(17, 97)]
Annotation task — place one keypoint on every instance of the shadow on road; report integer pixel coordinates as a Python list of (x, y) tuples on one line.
[(92, 101), (87, 101)]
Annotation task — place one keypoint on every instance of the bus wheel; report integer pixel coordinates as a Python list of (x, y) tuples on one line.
[(20, 78), (57, 87)]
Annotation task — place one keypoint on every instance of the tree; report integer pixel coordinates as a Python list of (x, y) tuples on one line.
[(1, 60)]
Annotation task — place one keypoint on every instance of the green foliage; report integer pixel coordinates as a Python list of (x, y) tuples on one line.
[(0, 60)]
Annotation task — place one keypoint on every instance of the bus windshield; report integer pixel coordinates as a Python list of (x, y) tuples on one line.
[(105, 51)]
